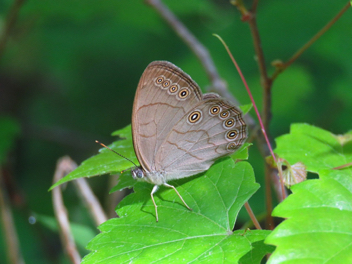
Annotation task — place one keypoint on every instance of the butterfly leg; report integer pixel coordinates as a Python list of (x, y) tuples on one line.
[(173, 187), (155, 188)]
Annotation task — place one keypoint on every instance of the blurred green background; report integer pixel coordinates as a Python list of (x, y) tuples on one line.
[(70, 70)]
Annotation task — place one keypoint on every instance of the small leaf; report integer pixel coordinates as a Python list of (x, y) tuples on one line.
[(246, 108), (294, 174), (106, 161), (242, 152), (203, 234)]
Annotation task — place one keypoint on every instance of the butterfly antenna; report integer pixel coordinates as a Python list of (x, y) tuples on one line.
[(116, 152)]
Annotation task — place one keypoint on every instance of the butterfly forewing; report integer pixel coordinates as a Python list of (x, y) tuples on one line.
[(164, 94)]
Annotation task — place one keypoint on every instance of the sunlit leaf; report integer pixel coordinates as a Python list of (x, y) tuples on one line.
[(318, 214), (202, 235)]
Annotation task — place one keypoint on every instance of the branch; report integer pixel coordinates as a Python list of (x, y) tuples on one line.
[(91, 201), (280, 67), (10, 22), (11, 239), (252, 216), (217, 84), (199, 50), (64, 166)]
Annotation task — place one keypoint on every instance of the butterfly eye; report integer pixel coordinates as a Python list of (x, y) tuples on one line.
[(159, 80), (137, 173), (173, 88), (214, 110), (183, 93), (232, 146), (229, 123), (166, 83), (224, 114), (232, 134), (195, 116)]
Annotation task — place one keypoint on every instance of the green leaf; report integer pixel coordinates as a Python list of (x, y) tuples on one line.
[(202, 235), (246, 108), (125, 181), (318, 227), (317, 148), (242, 152), (106, 161)]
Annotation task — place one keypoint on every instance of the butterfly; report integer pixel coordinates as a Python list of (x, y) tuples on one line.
[(178, 131)]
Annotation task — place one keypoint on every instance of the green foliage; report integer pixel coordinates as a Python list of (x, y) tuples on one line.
[(70, 70), (106, 161), (318, 149), (318, 227), (202, 235)]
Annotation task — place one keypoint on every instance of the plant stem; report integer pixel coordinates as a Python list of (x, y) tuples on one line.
[(9, 230), (282, 66), (10, 22), (64, 165)]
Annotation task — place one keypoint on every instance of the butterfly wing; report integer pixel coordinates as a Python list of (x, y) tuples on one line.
[(211, 129), (164, 95)]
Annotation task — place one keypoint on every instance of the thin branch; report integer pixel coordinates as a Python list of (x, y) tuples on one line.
[(280, 67), (10, 22), (218, 84), (64, 166), (255, 6), (199, 50), (11, 239), (252, 216), (264, 79), (96, 211)]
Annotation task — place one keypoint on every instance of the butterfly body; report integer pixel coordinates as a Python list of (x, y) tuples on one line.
[(152, 177), (177, 131)]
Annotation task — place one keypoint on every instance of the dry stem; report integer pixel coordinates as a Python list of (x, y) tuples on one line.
[(11, 239), (64, 166)]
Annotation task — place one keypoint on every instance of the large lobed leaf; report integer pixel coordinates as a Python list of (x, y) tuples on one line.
[(318, 228), (203, 235)]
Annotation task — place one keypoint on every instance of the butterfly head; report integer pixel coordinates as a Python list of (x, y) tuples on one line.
[(137, 173)]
